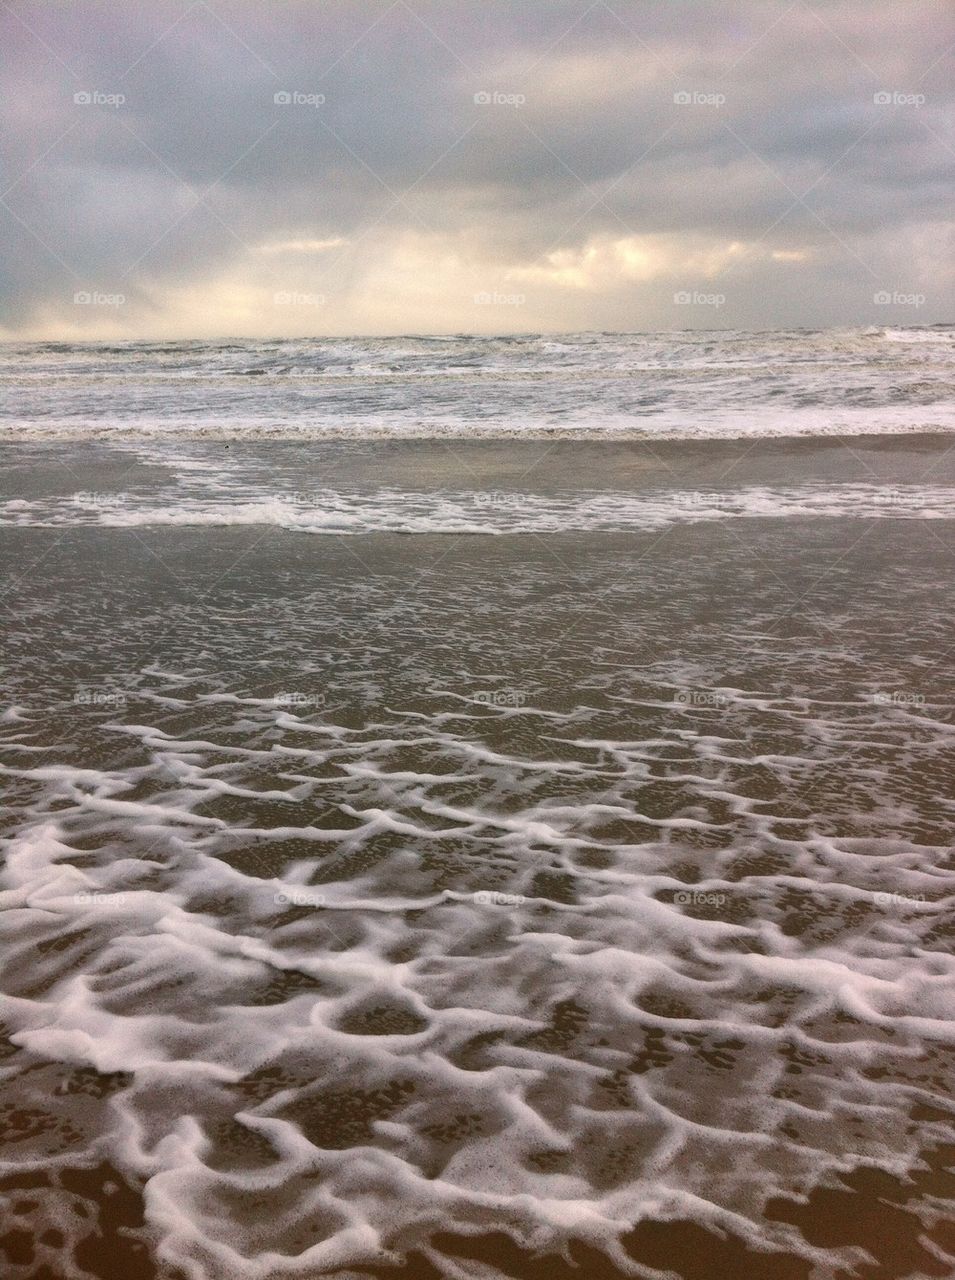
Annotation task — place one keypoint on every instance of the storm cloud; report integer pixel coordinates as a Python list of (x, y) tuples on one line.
[(216, 168)]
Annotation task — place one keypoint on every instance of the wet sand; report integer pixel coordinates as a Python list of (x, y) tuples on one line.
[(422, 905)]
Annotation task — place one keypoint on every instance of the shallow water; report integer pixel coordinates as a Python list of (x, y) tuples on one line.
[(451, 905)]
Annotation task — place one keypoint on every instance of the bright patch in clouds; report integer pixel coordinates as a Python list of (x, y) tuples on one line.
[(360, 166), (303, 246), (605, 262)]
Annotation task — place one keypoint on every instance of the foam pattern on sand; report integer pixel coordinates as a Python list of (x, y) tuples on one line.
[(489, 916)]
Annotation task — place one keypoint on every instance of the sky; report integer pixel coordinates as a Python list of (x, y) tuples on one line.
[(207, 168)]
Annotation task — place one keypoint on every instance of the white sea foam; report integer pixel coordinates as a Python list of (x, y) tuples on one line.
[(717, 385), (552, 887), (590, 422), (343, 511), (510, 980)]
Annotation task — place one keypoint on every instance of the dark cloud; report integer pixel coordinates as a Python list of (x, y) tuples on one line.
[(588, 183)]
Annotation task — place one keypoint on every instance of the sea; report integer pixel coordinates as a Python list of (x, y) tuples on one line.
[(479, 807)]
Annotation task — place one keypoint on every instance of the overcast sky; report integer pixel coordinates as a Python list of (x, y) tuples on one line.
[(489, 166)]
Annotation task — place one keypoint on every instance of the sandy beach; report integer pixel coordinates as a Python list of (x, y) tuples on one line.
[(555, 902)]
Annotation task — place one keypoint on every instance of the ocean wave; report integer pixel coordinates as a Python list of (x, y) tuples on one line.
[(331, 511), (188, 424), (680, 385)]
